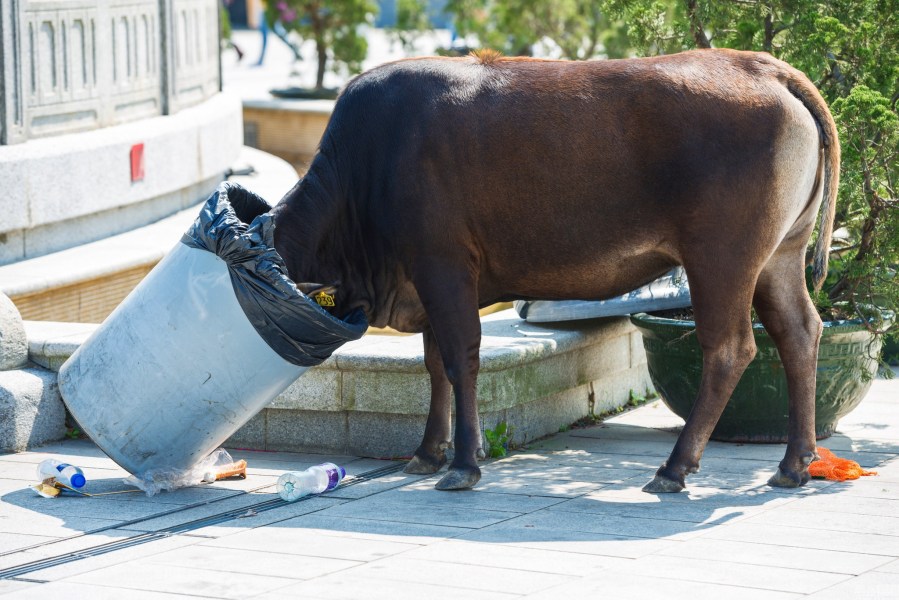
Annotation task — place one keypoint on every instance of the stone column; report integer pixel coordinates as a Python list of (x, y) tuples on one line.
[(11, 101), (166, 49)]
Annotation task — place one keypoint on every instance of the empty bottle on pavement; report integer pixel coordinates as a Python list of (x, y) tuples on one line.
[(293, 485), (64, 473)]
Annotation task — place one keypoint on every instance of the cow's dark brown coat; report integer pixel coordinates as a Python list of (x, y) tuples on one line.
[(442, 185)]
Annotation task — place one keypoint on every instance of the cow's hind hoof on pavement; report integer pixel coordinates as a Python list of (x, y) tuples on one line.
[(788, 480), (459, 479), (424, 466), (662, 485)]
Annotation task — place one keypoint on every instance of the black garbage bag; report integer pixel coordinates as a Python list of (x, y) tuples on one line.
[(290, 322)]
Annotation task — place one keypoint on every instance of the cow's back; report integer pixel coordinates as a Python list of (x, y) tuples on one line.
[(606, 167)]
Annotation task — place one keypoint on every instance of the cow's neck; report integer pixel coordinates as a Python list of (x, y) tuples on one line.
[(319, 235)]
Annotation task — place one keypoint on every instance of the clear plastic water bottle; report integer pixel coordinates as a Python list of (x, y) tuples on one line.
[(293, 485), (62, 472)]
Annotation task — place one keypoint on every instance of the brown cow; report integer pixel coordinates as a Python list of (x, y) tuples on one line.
[(446, 184)]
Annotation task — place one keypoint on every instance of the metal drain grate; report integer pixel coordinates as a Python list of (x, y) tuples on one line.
[(143, 538)]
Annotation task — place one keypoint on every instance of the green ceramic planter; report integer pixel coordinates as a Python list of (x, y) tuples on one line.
[(758, 409)]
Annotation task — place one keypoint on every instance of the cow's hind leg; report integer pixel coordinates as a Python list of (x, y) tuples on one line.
[(721, 304), (785, 309), (431, 453)]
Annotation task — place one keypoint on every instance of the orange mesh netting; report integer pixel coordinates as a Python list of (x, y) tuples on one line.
[(835, 468)]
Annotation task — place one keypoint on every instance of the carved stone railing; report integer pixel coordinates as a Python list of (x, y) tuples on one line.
[(75, 65)]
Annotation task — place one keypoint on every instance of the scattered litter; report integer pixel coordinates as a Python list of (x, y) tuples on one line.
[(57, 470), (836, 469), (293, 485), (216, 466), (58, 477), (249, 513), (46, 490), (236, 469)]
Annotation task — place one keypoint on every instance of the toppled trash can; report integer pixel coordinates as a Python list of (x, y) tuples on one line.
[(208, 339)]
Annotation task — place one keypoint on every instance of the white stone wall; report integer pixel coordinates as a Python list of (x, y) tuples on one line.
[(75, 65), (70, 189)]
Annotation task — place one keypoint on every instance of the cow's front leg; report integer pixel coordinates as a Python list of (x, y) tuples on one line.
[(431, 453), (450, 301)]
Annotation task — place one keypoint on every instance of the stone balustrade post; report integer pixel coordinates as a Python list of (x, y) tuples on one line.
[(11, 101)]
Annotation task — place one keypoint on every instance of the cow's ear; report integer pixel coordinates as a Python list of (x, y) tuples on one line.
[(308, 287)]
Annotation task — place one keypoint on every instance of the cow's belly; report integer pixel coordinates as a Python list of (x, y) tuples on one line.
[(600, 277)]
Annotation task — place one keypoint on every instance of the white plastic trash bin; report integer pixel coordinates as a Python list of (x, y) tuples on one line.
[(205, 342)]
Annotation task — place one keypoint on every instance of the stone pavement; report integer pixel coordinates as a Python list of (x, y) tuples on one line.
[(563, 518)]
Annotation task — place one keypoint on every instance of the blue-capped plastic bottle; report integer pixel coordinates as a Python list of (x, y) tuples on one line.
[(62, 472), (293, 485)]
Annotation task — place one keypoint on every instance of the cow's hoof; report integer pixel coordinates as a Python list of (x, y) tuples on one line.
[(662, 485), (783, 479), (424, 466), (459, 479)]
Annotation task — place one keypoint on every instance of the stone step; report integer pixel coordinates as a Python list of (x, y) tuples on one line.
[(85, 283), (371, 397)]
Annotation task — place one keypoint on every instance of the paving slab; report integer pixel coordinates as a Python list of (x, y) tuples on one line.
[(397, 570), (504, 484), (638, 587), (832, 520), (446, 515), (569, 564), (691, 512), (304, 542), (610, 524), (270, 563), (563, 518), (240, 501), (890, 567), (807, 559), (339, 587), (124, 556), (709, 570), (367, 529), (869, 586), (54, 547), (800, 537), (10, 586), (13, 541), (251, 519), (376, 486), (80, 591), (547, 537), (147, 576)]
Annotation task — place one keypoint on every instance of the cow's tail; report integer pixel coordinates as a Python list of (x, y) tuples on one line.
[(799, 85)]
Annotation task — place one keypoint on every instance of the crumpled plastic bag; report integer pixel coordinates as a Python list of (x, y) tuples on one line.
[(291, 323), (156, 480)]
